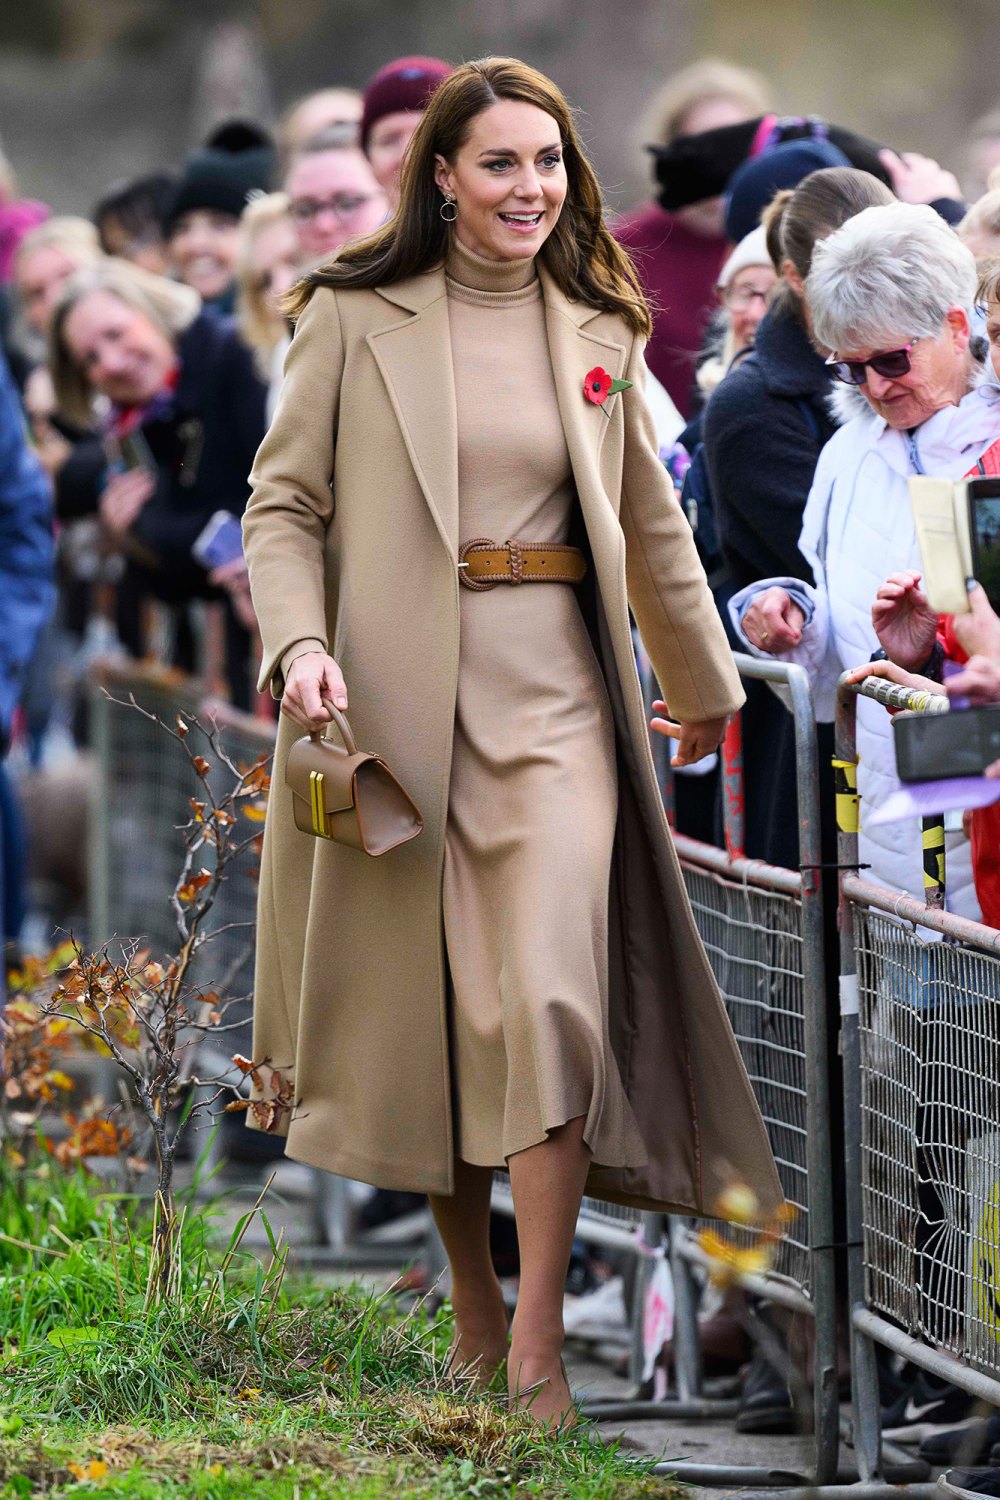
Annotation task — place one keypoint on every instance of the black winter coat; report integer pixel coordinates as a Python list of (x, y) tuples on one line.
[(763, 431), (204, 445)]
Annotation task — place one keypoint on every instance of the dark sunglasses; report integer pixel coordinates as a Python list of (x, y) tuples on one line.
[(890, 365)]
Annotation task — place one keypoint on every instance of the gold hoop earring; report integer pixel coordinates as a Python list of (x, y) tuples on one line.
[(448, 203)]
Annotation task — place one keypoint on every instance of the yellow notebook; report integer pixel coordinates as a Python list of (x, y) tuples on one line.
[(941, 517)]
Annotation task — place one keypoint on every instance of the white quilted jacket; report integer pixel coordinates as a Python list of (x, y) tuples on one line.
[(857, 528)]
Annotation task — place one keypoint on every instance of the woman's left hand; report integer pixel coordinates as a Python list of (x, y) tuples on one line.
[(696, 739), (891, 671), (234, 577)]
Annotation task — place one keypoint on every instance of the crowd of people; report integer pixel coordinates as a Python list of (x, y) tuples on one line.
[(826, 324)]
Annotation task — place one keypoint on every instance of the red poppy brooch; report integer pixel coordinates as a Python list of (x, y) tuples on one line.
[(599, 387)]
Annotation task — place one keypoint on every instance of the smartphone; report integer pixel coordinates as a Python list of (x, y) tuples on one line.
[(130, 452), (937, 747), (219, 542), (984, 531)]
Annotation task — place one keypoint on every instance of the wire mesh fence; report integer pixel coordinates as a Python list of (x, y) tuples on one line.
[(920, 1038), (930, 1132), (142, 798), (754, 939)]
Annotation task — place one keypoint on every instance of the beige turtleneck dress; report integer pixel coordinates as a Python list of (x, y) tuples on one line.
[(534, 787)]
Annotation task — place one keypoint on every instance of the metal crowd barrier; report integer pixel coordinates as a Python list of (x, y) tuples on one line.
[(920, 1036), (763, 930)]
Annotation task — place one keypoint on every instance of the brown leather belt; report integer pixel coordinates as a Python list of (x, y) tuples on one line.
[(483, 563)]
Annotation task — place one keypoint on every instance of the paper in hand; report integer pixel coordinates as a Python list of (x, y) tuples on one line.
[(922, 799)]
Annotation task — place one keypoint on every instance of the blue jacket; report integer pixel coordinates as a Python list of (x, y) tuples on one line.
[(27, 551)]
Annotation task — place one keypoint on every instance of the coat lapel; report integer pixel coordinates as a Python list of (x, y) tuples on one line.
[(575, 351), (414, 358)]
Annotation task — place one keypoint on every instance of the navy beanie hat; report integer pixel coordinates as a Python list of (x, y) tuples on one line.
[(754, 184), (237, 162)]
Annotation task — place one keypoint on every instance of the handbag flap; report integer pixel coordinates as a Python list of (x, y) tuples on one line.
[(336, 767)]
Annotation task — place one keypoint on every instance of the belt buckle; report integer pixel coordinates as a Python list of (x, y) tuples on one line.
[(478, 544)]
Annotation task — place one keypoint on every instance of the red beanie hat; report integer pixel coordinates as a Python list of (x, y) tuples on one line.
[(406, 83)]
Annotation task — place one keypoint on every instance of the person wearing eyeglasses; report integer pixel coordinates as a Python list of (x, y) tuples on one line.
[(332, 193), (891, 296)]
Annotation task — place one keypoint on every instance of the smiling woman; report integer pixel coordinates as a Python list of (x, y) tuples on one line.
[(521, 985), (508, 196), (181, 411)]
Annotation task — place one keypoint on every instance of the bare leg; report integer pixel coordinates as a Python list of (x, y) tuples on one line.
[(547, 1182), (463, 1221)]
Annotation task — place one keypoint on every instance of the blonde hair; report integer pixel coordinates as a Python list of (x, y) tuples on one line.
[(260, 322), (169, 306), (77, 237), (983, 217), (708, 78), (988, 289), (291, 137)]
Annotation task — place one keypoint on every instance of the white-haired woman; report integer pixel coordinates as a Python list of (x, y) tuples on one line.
[(891, 295), (182, 415)]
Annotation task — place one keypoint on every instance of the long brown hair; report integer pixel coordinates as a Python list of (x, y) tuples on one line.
[(580, 254), (796, 219)]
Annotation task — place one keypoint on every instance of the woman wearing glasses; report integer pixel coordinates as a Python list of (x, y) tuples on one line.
[(891, 294), (332, 194)]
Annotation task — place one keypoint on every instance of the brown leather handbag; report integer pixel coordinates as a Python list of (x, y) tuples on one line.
[(346, 794)]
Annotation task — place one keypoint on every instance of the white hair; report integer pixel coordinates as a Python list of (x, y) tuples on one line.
[(890, 274)]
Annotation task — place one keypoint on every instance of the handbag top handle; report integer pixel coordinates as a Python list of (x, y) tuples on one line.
[(344, 729)]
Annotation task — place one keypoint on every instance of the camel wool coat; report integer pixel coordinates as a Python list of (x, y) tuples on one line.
[(352, 537)]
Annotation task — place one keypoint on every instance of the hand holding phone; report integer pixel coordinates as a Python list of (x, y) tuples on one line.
[(984, 529), (219, 543)]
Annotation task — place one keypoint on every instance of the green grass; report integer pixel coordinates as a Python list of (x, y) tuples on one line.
[(246, 1383)]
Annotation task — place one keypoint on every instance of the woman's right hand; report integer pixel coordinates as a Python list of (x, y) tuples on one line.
[(774, 622), (904, 621), (312, 677)]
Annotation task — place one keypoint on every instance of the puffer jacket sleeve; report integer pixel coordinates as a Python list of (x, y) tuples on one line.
[(667, 588), (291, 504), (816, 651)]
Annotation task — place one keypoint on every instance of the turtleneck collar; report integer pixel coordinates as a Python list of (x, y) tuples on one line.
[(475, 273)]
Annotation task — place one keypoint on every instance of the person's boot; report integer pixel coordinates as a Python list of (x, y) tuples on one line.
[(765, 1400)]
